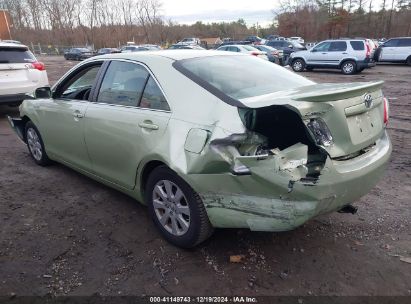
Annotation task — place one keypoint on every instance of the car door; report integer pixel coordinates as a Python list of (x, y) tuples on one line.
[(337, 51), (389, 50), (62, 117), (125, 121), (318, 54), (403, 49)]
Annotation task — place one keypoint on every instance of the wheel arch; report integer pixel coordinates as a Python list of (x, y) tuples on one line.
[(145, 172), (347, 59)]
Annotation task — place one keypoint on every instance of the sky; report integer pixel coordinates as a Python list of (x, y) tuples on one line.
[(190, 11)]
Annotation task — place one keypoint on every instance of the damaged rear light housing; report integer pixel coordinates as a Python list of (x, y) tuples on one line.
[(386, 111), (320, 131)]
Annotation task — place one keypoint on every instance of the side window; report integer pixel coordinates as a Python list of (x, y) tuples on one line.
[(322, 47), (153, 98), (357, 45), (338, 46), (404, 42), (78, 86), (123, 84), (391, 43)]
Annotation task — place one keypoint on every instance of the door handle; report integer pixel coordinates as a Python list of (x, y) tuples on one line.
[(147, 124), (345, 53), (78, 114), (324, 53)]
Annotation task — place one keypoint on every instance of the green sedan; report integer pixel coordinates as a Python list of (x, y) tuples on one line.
[(210, 139)]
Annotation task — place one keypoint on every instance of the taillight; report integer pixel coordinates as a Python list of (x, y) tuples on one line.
[(38, 66), (255, 53), (368, 49), (386, 111)]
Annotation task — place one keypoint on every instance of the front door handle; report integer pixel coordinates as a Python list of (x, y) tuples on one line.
[(148, 124), (345, 53), (78, 114)]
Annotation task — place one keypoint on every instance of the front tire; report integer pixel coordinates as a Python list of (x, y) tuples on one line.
[(176, 209), (35, 145), (298, 65), (349, 67)]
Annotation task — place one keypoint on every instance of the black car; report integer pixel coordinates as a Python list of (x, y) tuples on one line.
[(78, 54), (254, 39), (105, 51), (287, 47)]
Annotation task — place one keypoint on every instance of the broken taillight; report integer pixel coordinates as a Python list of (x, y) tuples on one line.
[(386, 111), (320, 131)]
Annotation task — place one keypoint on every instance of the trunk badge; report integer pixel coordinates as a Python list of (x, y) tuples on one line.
[(368, 100)]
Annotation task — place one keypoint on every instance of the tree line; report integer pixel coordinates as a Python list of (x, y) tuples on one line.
[(109, 23), (321, 19)]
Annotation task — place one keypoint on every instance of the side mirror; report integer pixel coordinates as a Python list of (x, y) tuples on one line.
[(43, 92)]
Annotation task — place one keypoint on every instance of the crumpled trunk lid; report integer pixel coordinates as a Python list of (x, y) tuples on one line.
[(355, 123)]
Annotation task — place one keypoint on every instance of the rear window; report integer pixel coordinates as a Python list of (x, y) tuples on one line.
[(16, 55), (357, 45), (239, 77)]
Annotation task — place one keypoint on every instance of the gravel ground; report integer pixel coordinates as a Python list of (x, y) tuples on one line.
[(64, 234)]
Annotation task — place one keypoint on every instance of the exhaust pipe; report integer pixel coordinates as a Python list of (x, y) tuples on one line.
[(348, 209)]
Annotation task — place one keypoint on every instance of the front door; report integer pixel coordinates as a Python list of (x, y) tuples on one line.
[(126, 120), (389, 50), (63, 117), (319, 54)]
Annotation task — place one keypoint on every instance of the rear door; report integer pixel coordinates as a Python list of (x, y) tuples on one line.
[(126, 121), (337, 51), (404, 49), (17, 74)]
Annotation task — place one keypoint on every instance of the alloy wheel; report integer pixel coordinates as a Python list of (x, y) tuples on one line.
[(171, 207), (348, 68), (34, 143)]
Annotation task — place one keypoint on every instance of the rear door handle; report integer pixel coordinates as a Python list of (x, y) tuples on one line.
[(78, 114), (345, 53), (324, 53), (147, 124)]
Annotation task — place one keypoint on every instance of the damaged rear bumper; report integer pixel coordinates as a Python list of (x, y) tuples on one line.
[(278, 200)]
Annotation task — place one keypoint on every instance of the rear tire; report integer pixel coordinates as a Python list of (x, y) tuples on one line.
[(349, 67), (298, 65), (35, 145), (408, 61), (176, 209)]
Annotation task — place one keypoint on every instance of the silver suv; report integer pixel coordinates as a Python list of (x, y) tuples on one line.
[(395, 50), (350, 55)]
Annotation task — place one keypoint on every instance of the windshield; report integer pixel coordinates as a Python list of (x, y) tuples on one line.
[(241, 76)]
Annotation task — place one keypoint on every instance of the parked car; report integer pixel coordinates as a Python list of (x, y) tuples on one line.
[(350, 56), (212, 139), (190, 41), (246, 49), (20, 73), (287, 47), (137, 48), (310, 45), (254, 39), (231, 42), (298, 39), (273, 54), (395, 50), (105, 51), (78, 54), (10, 41), (271, 37), (185, 47)]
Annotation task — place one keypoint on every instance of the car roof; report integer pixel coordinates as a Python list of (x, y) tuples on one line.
[(171, 54), (12, 45)]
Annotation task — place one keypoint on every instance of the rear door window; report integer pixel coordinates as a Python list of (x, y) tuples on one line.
[(153, 97), (123, 84), (357, 45), (16, 55), (337, 46), (404, 42)]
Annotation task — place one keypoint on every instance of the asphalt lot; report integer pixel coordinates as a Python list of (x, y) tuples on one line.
[(62, 233)]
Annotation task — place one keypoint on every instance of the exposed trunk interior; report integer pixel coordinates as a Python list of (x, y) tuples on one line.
[(284, 128)]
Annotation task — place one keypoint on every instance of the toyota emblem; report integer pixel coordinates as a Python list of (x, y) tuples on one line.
[(368, 100)]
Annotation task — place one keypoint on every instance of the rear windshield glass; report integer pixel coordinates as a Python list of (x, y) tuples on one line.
[(357, 45), (16, 55), (241, 76)]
